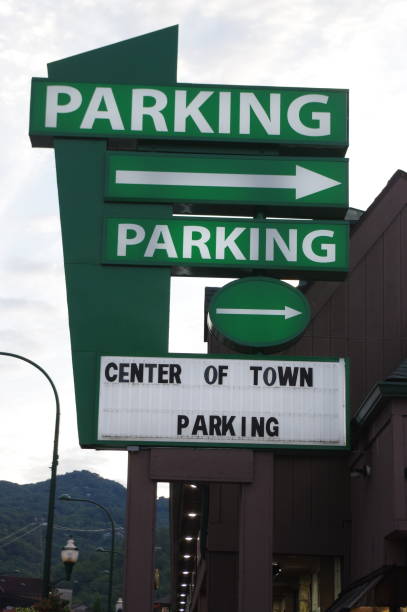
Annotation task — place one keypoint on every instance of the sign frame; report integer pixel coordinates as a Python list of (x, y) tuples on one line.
[(103, 300)]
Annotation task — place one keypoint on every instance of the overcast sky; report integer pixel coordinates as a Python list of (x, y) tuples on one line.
[(360, 45)]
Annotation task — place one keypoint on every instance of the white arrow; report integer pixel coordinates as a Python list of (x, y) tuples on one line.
[(305, 182), (287, 312)]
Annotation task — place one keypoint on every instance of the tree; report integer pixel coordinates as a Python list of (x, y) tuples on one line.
[(53, 603), (97, 605)]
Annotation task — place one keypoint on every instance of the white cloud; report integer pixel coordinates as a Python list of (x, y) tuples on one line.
[(355, 44)]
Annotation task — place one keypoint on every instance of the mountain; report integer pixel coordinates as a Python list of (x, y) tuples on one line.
[(23, 516)]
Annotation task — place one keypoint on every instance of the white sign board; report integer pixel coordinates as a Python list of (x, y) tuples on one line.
[(216, 400)]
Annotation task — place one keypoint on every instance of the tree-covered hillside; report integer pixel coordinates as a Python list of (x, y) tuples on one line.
[(23, 516)]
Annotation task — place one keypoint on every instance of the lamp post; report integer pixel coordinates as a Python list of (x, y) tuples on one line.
[(66, 497), (51, 499)]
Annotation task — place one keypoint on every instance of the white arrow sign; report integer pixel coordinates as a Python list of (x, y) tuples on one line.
[(287, 312), (305, 182)]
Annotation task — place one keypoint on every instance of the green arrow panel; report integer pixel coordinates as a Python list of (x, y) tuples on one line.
[(215, 184)]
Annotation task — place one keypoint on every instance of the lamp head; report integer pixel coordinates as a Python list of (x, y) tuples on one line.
[(69, 556)]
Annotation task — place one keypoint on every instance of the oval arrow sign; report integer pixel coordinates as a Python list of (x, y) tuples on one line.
[(258, 313)]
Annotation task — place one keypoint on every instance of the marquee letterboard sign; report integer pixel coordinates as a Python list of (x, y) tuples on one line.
[(132, 147), (214, 400)]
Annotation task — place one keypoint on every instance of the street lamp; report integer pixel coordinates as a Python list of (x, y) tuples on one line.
[(52, 488), (66, 497), (69, 556)]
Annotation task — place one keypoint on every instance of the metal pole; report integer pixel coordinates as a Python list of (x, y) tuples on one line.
[(52, 488), (112, 551)]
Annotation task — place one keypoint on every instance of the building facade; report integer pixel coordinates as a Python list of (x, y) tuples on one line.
[(311, 531)]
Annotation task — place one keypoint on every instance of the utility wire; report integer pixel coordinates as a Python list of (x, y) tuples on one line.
[(87, 530), (22, 535), (11, 535)]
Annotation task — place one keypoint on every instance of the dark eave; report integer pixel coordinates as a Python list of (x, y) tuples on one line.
[(395, 385)]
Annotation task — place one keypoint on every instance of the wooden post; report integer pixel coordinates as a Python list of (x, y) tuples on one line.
[(141, 494), (255, 540)]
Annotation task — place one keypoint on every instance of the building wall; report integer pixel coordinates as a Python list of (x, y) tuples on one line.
[(364, 318), (317, 510), (311, 506), (379, 519)]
